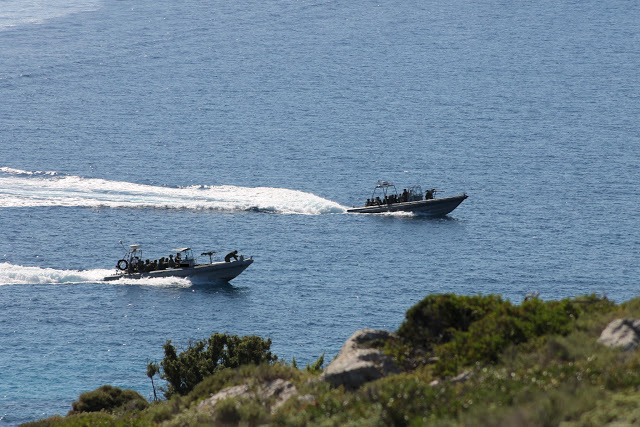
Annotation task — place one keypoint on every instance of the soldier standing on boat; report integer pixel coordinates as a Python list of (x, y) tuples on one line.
[(429, 194)]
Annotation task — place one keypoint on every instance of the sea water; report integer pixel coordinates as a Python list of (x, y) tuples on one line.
[(254, 126)]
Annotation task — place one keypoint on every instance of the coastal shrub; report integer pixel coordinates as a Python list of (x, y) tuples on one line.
[(434, 319), (108, 398), (185, 370), (240, 411), (621, 409), (405, 399), (188, 418), (85, 419), (163, 411), (487, 338), (316, 366), (455, 331)]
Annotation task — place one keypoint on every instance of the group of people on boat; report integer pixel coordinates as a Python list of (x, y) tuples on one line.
[(136, 265), (406, 196)]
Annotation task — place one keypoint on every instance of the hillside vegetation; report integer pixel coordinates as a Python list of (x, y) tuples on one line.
[(464, 360)]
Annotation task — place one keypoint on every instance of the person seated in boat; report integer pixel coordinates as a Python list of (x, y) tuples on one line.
[(378, 201), (162, 264), (133, 264), (429, 194), (130, 267), (368, 202), (405, 196), (172, 263), (230, 255)]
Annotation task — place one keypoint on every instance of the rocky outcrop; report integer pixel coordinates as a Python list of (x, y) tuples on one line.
[(358, 363), (275, 392), (623, 333)]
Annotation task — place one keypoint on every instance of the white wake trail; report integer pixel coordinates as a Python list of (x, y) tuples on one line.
[(11, 274), (31, 189)]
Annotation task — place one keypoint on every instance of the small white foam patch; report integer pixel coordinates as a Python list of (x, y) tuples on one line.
[(156, 282), (20, 188), (11, 274), (398, 213), (14, 13), (393, 214)]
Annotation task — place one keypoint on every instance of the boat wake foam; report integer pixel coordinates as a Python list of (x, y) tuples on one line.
[(397, 214), (21, 12), (11, 274), (20, 188)]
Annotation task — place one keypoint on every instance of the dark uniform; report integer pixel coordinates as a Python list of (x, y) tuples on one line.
[(230, 255)]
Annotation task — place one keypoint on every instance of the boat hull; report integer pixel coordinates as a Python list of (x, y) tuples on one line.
[(215, 272), (433, 207)]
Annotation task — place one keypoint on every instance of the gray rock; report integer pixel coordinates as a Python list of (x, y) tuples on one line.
[(623, 333), (463, 377), (278, 389), (356, 365), (281, 389), (241, 390)]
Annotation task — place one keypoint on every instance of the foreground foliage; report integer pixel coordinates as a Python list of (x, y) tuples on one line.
[(203, 358), (536, 363), (109, 399)]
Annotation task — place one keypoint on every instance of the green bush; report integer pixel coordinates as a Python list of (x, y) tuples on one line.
[(185, 370), (109, 399), (87, 419), (241, 411), (462, 330), (487, 338), (316, 366), (434, 319)]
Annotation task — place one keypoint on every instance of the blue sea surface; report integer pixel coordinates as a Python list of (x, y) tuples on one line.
[(254, 126)]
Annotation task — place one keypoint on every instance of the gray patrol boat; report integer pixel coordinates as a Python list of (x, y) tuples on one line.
[(183, 265), (385, 199)]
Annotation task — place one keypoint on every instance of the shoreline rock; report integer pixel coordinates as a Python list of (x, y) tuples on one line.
[(357, 363), (623, 333), (278, 389)]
